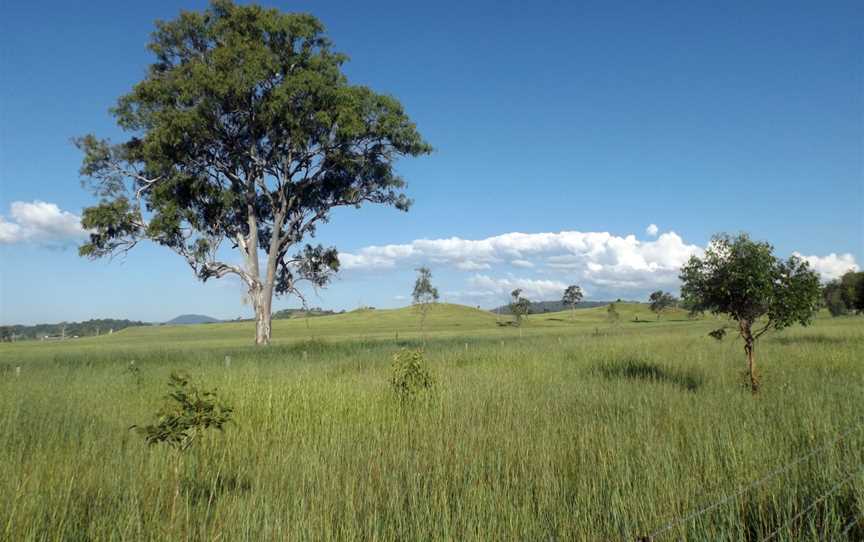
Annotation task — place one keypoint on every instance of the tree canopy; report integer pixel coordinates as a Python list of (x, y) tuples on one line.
[(661, 301), (572, 296), (519, 305), (424, 295), (742, 279), (244, 135), (846, 294)]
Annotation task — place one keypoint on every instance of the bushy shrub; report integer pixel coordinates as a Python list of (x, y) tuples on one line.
[(717, 334), (187, 414), (410, 374)]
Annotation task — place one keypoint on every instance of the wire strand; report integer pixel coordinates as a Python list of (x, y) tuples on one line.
[(812, 505), (741, 491)]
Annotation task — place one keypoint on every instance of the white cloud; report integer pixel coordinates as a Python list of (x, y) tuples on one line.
[(831, 266), (469, 254), (486, 286), (469, 265), (652, 230), (40, 222), (598, 258), (608, 265)]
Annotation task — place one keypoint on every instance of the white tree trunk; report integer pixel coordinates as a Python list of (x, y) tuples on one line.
[(263, 301)]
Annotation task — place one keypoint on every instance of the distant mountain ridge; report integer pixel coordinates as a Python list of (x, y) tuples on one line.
[(185, 319)]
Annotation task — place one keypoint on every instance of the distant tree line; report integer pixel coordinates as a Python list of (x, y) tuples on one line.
[(845, 295), (68, 330), (540, 307), (285, 314)]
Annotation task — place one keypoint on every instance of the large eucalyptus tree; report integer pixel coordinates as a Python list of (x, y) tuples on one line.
[(245, 135)]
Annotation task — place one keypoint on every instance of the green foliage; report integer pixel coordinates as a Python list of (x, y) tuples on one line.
[(188, 413), (286, 314), (612, 314), (245, 131), (410, 374), (88, 328), (743, 279), (424, 295), (661, 301), (519, 306), (717, 334), (845, 295), (572, 296), (832, 296)]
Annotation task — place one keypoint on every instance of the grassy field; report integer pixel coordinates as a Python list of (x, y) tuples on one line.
[(570, 429)]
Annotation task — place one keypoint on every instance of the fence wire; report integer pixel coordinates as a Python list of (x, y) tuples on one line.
[(749, 487), (812, 505)]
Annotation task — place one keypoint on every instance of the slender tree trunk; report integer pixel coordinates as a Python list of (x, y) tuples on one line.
[(749, 349)]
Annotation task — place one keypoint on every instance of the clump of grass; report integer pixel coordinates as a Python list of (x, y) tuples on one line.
[(636, 369)]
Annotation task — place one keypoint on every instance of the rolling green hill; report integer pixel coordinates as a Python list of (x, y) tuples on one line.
[(444, 320)]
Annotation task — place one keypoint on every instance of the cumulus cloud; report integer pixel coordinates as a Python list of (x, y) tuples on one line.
[(832, 266), (652, 230), (589, 257), (496, 288), (40, 222)]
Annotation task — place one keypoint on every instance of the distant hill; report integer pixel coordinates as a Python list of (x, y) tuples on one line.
[(540, 307), (66, 330), (184, 319)]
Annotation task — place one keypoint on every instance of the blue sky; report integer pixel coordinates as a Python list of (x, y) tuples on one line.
[(577, 124)]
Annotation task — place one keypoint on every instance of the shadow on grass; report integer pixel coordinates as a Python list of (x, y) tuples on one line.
[(634, 369), (210, 490), (810, 339)]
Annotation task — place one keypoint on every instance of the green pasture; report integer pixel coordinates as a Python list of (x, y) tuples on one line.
[(573, 428)]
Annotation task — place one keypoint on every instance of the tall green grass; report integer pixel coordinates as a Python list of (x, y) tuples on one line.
[(579, 431)]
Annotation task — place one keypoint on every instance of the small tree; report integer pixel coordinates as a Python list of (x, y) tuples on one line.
[(187, 414), (612, 313), (852, 290), (661, 301), (424, 296), (189, 411), (742, 279), (845, 295), (572, 297), (410, 374), (519, 306), (832, 297)]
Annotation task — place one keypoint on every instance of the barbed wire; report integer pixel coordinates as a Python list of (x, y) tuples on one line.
[(848, 527), (812, 505), (745, 489)]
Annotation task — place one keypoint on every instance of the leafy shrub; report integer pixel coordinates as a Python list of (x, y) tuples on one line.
[(187, 414), (717, 334), (410, 374)]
